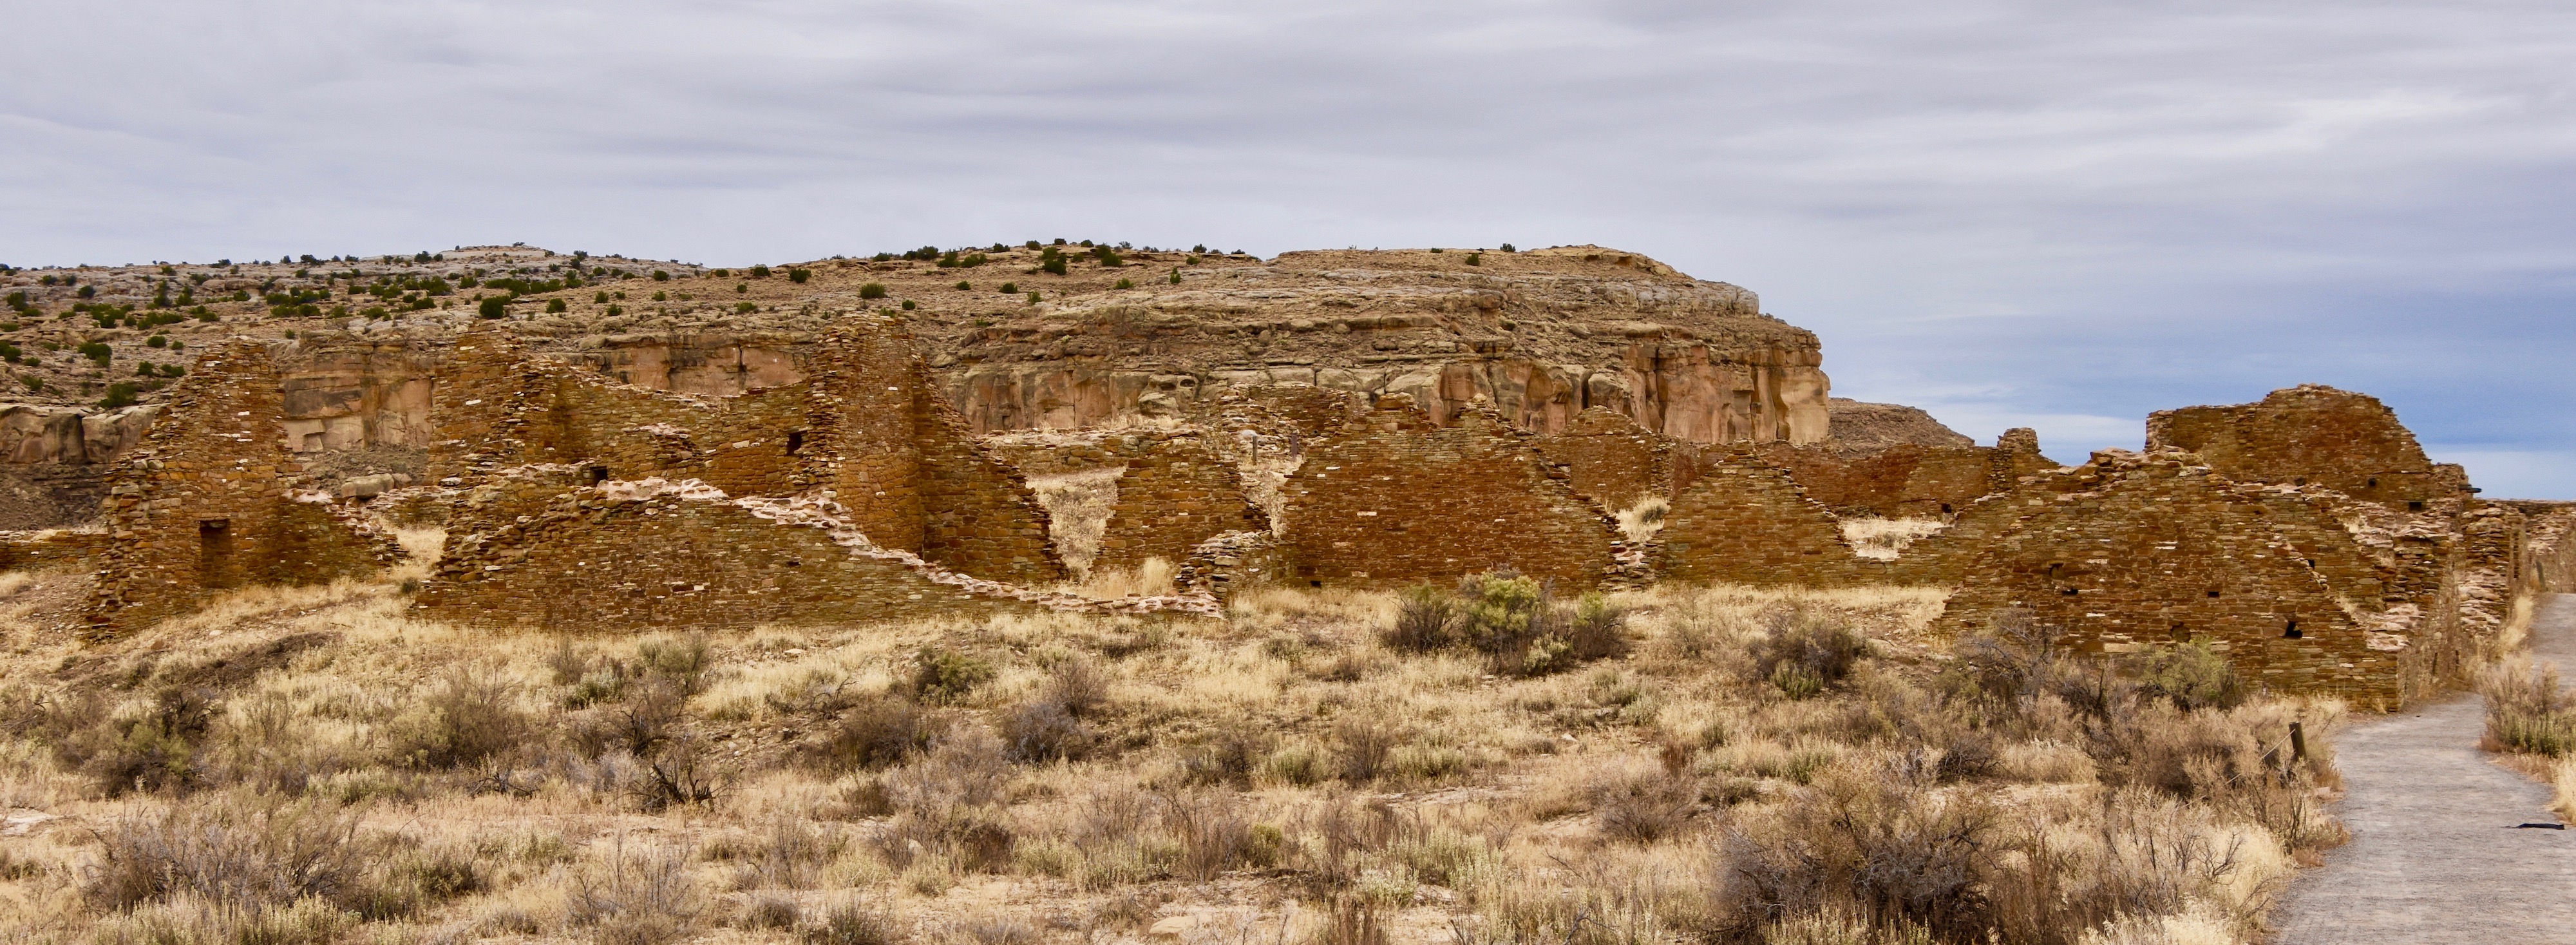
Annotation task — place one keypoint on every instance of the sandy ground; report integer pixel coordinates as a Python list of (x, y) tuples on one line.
[(2435, 855)]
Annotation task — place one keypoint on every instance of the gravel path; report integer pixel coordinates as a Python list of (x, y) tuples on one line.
[(2434, 856)]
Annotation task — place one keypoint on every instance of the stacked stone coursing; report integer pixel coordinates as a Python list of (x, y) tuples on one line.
[(1175, 494), (2134, 551), (1745, 521), (2312, 435), (1611, 460), (1909, 480), (207, 502), (1393, 498)]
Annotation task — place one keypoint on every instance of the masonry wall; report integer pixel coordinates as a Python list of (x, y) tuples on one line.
[(1393, 499), (1745, 521), (901, 459), (588, 562), (1909, 480), (2135, 552), (51, 549), (1175, 494), (2311, 435), (1611, 460), (203, 504)]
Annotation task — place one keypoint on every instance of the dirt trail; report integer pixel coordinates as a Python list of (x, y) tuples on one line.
[(2434, 856)]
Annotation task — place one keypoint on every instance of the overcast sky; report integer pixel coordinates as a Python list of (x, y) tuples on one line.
[(2046, 214)]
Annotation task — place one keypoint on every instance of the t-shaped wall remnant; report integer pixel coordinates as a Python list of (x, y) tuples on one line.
[(1392, 498), (2312, 435), (206, 502)]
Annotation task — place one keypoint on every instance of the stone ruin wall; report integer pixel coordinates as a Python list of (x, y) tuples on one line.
[(1611, 460), (592, 560), (903, 451), (2131, 552), (1909, 480), (204, 503), (1745, 521), (2311, 434), (1175, 494), (1394, 499)]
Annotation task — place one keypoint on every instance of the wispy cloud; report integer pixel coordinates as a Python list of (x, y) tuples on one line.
[(2004, 209)]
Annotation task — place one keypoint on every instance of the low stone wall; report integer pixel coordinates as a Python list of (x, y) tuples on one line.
[(52, 549), (635, 556)]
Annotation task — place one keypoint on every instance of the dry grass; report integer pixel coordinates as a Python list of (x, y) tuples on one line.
[(1078, 506), (1278, 774), (1883, 539), (1642, 521), (2531, 719)]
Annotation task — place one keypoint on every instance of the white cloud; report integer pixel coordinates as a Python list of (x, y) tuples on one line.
[(2079, 212)]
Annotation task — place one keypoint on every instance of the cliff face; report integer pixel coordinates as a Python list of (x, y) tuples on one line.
[(1541, 335), (1537, 336)]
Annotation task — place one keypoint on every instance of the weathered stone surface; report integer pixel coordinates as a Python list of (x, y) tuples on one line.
[(1540, 336), (2312, 434), (1175, 494), (207, 502), (2132, 551), (1744, 521), (1610, 460), (1394, 498)]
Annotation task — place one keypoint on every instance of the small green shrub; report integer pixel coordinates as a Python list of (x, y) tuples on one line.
[(1475, 259), (557, 306), (799, 276), (964, 286), (494, 307), (2193, 676), (760, 272), (873, 290), (661, 276), (1806, 650), (157, 341), (907, 305), (947, 676), (1033, 298), (96, 351), (746, 308), (1125, 284), (1010, 288), (118, 395), (1176, 275)]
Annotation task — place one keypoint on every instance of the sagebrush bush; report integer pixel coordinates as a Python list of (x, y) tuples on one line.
[(2527, 711), (1802, 651), (879, 731), (1519, 627), (947, 676), (872, 290), (467, 717)]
